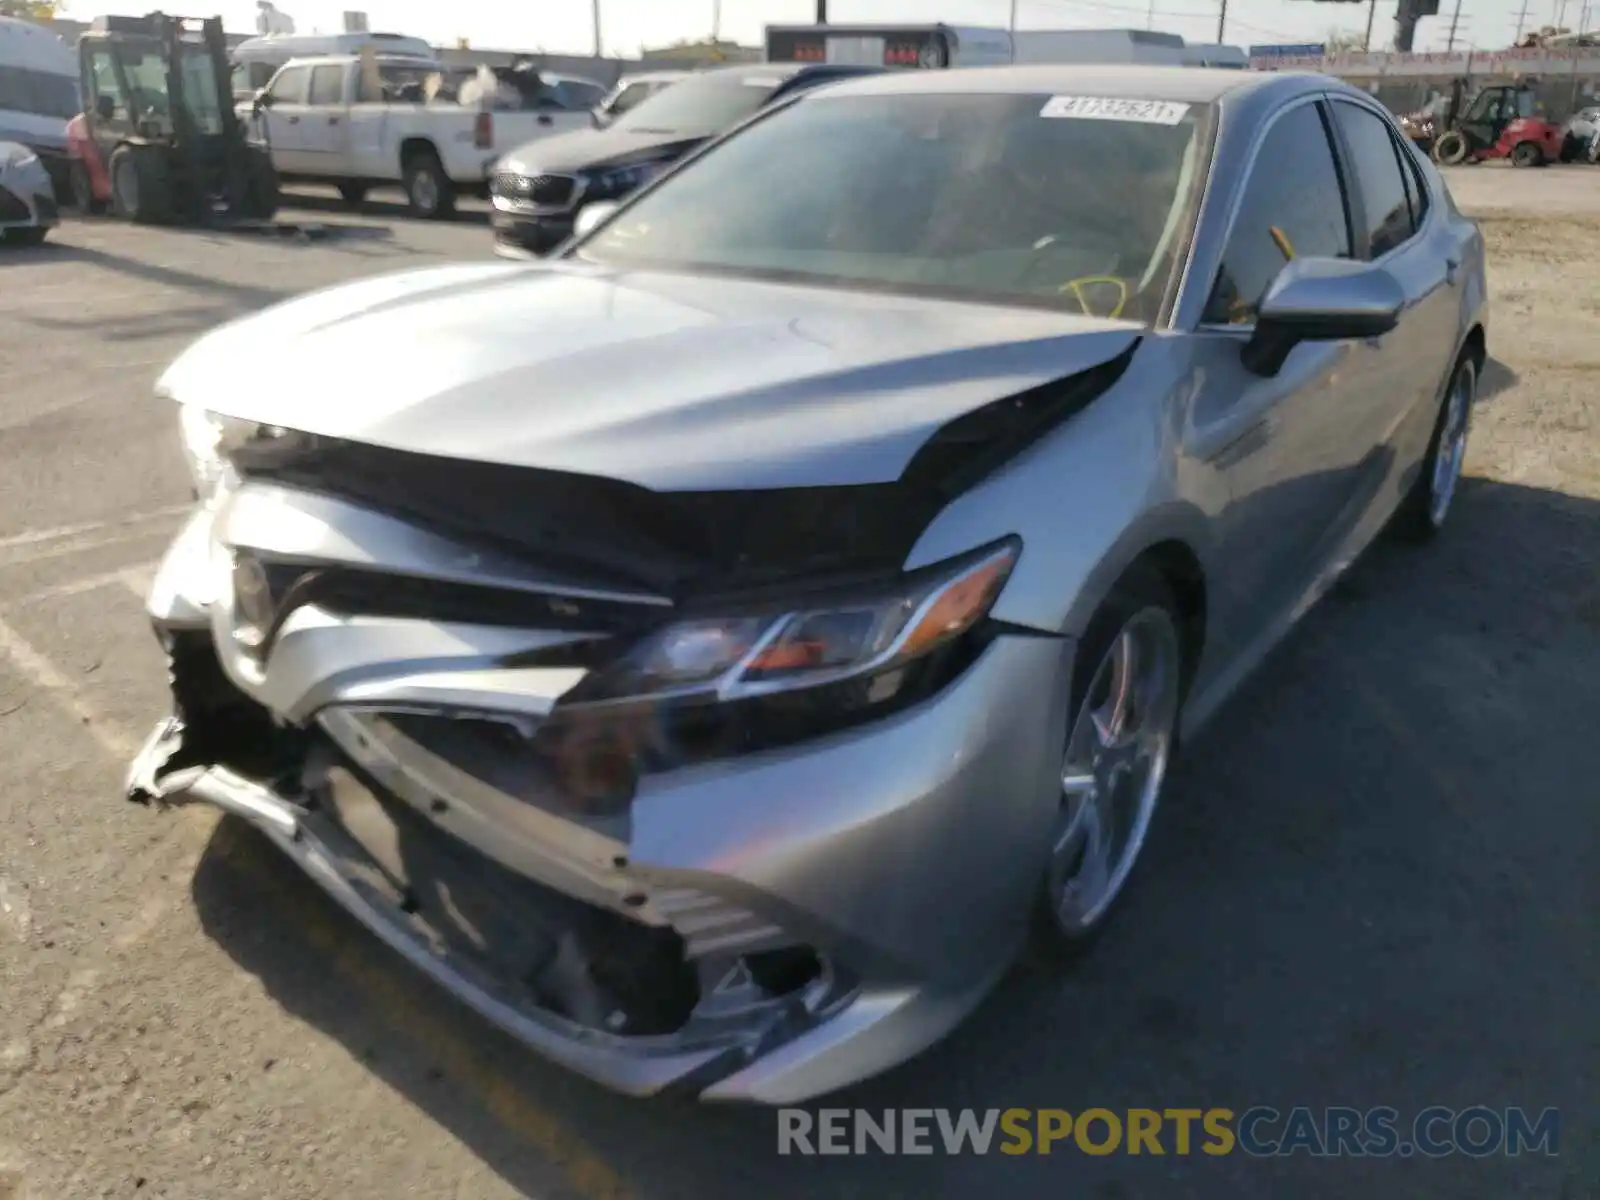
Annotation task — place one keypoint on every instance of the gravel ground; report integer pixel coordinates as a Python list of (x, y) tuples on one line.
[(1375, 883)]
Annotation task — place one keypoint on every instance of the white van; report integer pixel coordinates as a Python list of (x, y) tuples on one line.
[(38, 93), (255, 60)]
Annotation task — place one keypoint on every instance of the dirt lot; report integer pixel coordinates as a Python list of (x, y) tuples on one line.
[(1375, 884)]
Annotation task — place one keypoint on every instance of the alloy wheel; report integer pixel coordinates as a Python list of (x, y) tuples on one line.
[(1452, 448), (1116, 759)]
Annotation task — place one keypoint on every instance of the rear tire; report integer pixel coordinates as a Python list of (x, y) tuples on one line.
[(429, 191), (83, 197), (1450, 149), (140, 189), (25, 237), (1527, 154), (1423, 512), (353, 194)]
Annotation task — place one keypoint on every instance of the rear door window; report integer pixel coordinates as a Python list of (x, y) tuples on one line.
[(1375, 161)]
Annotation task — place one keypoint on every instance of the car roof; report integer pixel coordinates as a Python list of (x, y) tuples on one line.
[(1193, 85)]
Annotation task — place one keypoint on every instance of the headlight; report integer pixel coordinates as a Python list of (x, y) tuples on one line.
[(738, 656), (211, 440), (624, 179)]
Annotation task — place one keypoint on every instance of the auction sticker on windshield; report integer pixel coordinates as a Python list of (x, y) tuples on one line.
[(1107, 108)]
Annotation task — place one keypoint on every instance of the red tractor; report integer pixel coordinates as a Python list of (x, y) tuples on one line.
[(1502, 121), (158, 141)]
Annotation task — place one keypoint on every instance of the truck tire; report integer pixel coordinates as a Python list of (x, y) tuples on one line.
[(1527, 154), (260, 186), (429, 191), (140, 189)]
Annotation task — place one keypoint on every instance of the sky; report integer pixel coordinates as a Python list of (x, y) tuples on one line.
[(566, 26)]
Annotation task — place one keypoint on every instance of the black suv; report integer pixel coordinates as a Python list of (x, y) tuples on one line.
[(538, 189)]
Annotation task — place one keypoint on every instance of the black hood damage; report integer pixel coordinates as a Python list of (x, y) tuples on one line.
[(690, 545)]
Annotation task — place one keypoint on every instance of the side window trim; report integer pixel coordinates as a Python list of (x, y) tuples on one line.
[(1348, 202)]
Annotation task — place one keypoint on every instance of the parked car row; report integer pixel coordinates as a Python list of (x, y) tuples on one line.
[(538, 189)]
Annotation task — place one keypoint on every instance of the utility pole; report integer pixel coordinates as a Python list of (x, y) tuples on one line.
[(1372, 11), (716, 22), (1455, 19), (597, 46), (1011, 26), (1522, 19), (822, 12), (1222, 23)]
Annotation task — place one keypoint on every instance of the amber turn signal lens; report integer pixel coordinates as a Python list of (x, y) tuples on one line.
[(962, 602)]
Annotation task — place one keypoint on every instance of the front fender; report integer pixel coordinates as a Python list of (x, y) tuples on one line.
[(1087, 501)]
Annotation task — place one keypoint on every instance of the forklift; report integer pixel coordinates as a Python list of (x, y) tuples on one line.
[(1504, 120), (158, 141)]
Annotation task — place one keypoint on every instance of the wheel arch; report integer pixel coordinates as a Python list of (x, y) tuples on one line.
[(415, 144)]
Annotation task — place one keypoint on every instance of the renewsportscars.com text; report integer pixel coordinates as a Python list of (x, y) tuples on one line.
[(1261, 1131)]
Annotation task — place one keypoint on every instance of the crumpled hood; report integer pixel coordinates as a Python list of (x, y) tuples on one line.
[(672, 382), (585, 149)]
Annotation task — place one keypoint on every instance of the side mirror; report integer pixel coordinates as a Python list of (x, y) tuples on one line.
[(592, 216), (104, 107), (263, 99), (1321, 300)]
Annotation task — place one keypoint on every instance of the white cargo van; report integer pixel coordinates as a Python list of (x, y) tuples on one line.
[(38, 93), (255, 60)]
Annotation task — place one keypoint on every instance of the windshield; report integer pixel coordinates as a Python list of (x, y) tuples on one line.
[(1073, 202), (703, 105), (147, 78)]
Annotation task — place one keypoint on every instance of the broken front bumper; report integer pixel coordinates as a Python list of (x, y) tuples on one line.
[(820, 912)]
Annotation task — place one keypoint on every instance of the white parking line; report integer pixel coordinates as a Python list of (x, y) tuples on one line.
[(135, 579), (41, 544), (60, 532), (40, 671)]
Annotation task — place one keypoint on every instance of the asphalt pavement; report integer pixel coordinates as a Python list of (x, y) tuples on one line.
[(1374, 882)]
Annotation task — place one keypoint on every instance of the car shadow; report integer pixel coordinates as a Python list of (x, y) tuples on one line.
[(244, 295), (1497, 378), (388, 210), (1365, 889)]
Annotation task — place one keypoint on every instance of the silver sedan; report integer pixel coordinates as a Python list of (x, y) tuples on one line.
[(714, 652)]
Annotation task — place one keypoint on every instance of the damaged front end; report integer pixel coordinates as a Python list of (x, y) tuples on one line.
[(674, 787)]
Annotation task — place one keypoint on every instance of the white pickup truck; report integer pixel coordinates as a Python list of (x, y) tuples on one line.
[(363, 121)]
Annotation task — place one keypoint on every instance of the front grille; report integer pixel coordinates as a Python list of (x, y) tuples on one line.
[(547, 191), (354, 592)]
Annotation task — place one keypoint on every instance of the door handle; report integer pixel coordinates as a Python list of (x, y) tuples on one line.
[(294, 120), (544, 120), (333, 120), (1452, 269)]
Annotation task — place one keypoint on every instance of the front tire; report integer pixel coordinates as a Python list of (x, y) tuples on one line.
[(1127, 689), (1423, 512), (139, 187)]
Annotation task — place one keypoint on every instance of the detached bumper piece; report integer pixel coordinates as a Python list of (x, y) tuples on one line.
[(637, 1006)]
